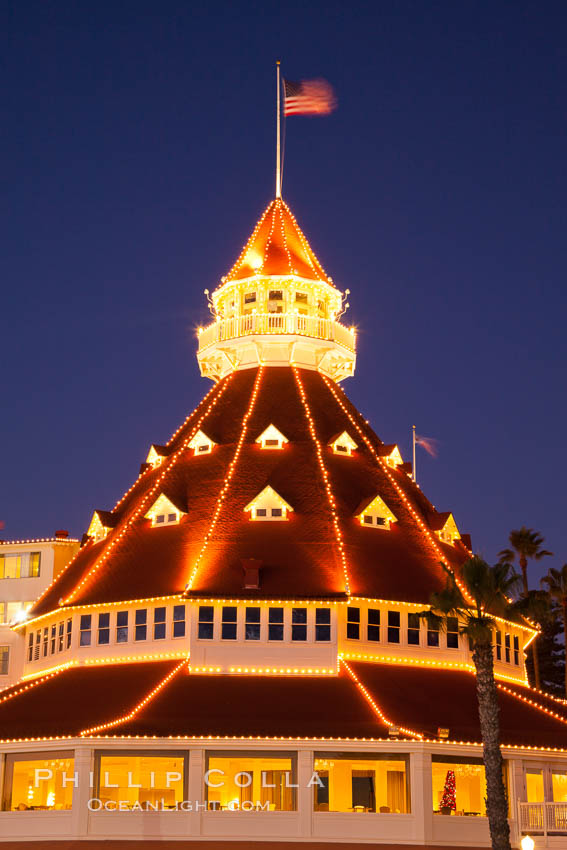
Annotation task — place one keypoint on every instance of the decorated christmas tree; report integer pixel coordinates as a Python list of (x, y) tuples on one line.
[(449, 798)]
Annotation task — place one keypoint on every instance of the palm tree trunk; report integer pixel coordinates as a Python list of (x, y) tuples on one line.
[(489, 714)]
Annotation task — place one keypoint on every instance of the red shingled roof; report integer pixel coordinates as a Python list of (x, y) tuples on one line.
[(277, 246), (300, 556), (420, 699), (64, 703), (425, 699)]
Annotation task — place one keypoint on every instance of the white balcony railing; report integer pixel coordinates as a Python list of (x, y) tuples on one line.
[(543, 818), (277, 323)]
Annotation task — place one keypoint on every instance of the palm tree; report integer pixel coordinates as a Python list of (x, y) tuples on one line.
[(525, 545), (486, 592), (556, 581)]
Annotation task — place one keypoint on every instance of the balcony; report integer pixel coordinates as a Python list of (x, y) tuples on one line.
[(291, 324), (543, 818)]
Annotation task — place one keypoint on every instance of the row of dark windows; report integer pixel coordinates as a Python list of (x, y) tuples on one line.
[(49, 640), (393, 628), (253, 626), (140, 627), (508, 651)]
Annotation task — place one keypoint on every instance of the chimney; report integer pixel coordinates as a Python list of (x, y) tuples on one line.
[(62, 534), (251, 568)]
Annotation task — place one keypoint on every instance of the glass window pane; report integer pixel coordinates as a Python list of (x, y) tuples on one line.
[(534, 785), (248, 779), (36, 782), (161, 777), (559, 785), (458, 788), (352, 784), (4, 660)]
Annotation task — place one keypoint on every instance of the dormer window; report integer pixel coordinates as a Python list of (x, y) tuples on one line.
[(445, 527), (375, 513), (164, 512), (343, 444), (268, 505), (271, 438), (201, 444), (156, 455), (392, 456), (101, 523)]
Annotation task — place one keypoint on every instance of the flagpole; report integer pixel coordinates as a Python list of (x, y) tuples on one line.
[(413, 467), (278, 156)]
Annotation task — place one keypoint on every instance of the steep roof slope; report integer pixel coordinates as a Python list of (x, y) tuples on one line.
[(301, 557), (277, 246)]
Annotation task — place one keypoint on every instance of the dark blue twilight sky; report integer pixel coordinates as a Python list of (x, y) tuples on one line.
[(137, 154)]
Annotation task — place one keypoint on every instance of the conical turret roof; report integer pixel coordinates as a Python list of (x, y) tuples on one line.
[(277, 246), (321, 550)]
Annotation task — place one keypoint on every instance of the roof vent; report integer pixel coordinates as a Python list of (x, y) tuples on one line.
[(62, 534), (251, 568)]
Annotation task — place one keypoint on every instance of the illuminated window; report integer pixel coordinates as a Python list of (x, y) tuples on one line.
[(4, 660), (103, 628), (84, 631), (249, 297), (373, 632), (159, 623), (229, 622), (375, 513), (323, 624), (498, 636), (507, 648), (559, 785), (353, 623), (268, 505), (3, 612), (206, 622), (241, 780), (301, 297), (15, 610), (275, 295), (413, 629), (271, 438), (393, 626), (343, 444), (141, 624), (516, 649), (146, 780), (252, 627), (452, 633), (122, 627), (10, 566), (376, 783), (534, 785), (299, 623), (38, 781), (178, 621), (445, 527), (34, 564), (276, 624), (201, 444), (470, 785)]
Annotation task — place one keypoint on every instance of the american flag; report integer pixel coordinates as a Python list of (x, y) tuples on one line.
[(428, 443), (310, 97)]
